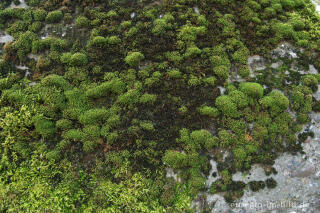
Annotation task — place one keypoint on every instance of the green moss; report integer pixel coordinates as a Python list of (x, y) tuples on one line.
[(209, 111), (44, 126), (256, 185), (244, 71), (127, 98), (134, 58), (239, 154), (239, 98), (82, 22), (276, 101), (78, 59), (175, 159), (227, 106), (310, 81), (253, 90), (148, 98), (54, 16), (192, 52), (271, 183), (74, 134), (64, 124), (113, 40), (221, 72)]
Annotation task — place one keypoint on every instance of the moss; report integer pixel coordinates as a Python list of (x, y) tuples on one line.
[(44, 127), (53, 155), (251, 89), (175, 159), (227, 106), (74, 134), (77, 59), (134, 58), (257, 185), (244, 71), (271, 183), (35, 27), (148, 98), (221, 72), (276, 101), (192, 52), (194, 81), (225, 138), (303, 118), (82, 22), (91, 132), (127, 98), (209, 111), (54, 16), (174, 74), (239, 98), (64, 124), (310, 81), (239, 154), (113, 40)]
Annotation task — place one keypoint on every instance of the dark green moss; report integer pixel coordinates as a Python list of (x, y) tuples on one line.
[(257, 185), (271, 183)]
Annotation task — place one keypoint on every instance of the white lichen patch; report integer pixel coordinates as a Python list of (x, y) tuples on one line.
[(5, 38), (196, 10), (286, 50), (213, 174), (222, 90), (22, 67), (21, 5)]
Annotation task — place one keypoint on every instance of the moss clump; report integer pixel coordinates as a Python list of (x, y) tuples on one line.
[(82, 22), (54, 16), (257, 185), (78, 59), (271, 183), (276, 101), (39, 15), (252, 89), (133, 58), (44, 127)]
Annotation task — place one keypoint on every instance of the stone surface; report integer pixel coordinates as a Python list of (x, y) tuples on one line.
[(304, 169)]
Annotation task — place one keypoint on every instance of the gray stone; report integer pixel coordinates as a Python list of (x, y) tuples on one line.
[(305, 169)]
